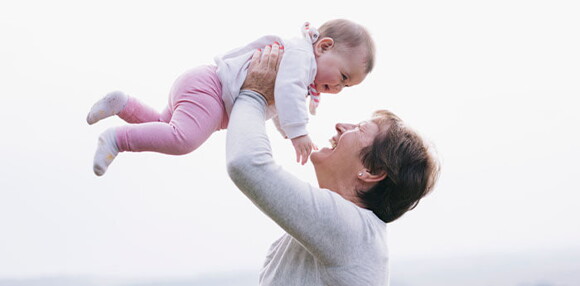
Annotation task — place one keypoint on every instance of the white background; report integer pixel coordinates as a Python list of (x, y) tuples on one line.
[(493, 84)]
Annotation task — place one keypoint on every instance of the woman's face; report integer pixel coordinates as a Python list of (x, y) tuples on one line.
[(342, 159)]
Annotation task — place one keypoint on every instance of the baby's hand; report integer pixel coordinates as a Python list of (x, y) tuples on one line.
[(303, 146)]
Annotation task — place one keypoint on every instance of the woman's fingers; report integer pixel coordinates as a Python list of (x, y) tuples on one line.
[(262, 72), (265, 56), (280, 54), (273, 58), (255, 59)]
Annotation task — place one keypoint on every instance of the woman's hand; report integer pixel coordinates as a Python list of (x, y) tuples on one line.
[(263, 70)]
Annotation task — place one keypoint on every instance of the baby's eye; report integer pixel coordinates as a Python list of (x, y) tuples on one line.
[(343, 77)]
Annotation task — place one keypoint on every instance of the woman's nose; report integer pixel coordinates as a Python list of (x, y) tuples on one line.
[(340, 128), (343, 127)]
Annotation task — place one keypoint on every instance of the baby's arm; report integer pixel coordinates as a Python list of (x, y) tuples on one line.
[(303, 146), (276, 121), (291, 88)]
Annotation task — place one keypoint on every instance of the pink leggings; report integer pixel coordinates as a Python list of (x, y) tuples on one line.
[(194, 112)]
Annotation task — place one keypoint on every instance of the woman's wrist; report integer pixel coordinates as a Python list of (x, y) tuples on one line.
[(254, 94)]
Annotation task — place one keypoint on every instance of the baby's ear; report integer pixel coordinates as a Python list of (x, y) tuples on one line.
[(323, 45)]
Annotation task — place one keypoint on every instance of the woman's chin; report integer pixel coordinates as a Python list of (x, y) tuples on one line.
[(317, 156)]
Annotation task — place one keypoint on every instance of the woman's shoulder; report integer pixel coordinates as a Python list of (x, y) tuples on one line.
[(351, 216)]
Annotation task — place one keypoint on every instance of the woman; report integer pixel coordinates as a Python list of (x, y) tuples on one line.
[(335, 233)]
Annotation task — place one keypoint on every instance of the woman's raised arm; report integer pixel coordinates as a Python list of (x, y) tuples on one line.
[(309, 214)]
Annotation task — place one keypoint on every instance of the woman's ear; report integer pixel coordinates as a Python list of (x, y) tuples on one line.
[(368, 177), (323, 45)]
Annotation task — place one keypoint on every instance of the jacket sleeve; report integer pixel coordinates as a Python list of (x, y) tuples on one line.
[(276, 121), (291, 90)]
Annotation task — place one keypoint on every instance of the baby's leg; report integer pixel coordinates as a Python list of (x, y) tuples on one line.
[(189, 127), (107, 150), (113, 103), (137, 112), (126, 107), (196, 112)]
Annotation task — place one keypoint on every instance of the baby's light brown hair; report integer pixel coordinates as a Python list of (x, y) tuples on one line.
[(350, 35)]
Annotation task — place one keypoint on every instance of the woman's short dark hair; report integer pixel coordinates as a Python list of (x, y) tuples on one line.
[(410, 165)]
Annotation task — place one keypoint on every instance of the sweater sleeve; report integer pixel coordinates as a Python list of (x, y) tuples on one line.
[(291, 89), (321, 220)]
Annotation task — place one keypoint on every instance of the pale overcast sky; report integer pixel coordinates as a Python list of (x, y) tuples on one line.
[(495, 85)]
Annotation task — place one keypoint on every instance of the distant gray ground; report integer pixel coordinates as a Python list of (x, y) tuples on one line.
[(548, 269), (238, 279)]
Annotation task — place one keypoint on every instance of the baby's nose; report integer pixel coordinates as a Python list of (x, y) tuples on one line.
[(336, 88)]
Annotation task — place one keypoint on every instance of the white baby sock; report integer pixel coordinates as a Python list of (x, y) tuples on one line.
[(109, 105), (106, 151)]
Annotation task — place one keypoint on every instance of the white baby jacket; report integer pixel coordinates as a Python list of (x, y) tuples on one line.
[(296, 72)]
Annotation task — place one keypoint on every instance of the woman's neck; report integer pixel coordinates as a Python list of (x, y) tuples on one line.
[(346, 188)]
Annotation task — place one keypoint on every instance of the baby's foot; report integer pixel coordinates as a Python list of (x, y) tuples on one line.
[(106, 152), (110, 105)]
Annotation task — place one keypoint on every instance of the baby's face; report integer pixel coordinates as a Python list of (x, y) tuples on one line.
[(338, 69)]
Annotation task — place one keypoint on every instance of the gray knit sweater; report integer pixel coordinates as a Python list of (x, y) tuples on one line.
[(328, 240)]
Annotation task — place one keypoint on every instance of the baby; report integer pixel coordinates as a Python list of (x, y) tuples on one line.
[(339, 54)]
